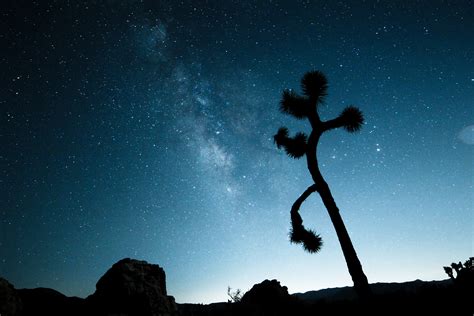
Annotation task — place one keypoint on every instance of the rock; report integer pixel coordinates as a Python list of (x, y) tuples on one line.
[(10, 301), (267, 293), (270, 298), (133, 287)]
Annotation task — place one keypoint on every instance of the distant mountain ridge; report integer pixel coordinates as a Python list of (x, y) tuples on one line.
[(380, 288)]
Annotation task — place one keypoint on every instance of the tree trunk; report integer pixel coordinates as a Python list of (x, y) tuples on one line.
[(361, 284)]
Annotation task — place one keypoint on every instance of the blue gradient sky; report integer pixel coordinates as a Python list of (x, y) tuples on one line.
[(144, 129)]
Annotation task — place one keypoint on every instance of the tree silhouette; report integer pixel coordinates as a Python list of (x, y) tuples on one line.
[(314, 86), (464, 276)]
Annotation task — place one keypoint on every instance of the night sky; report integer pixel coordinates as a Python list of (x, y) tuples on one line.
[(144, 129)]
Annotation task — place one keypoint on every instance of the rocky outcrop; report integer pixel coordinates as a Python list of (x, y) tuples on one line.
[(269, 298), (129, 288), (10, 301), (267, 293), (133, 287)]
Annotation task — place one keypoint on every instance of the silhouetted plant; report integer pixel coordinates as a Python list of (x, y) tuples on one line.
[(464, 272), (235, 296), (314, 86), (449, 272), (463, 280)]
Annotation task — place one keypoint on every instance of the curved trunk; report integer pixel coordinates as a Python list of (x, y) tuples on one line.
[(295, 217), (361, 284)]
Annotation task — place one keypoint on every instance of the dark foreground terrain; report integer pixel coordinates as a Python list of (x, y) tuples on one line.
[(132, 287)]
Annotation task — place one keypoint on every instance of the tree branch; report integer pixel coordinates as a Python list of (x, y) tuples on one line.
[(296, 206), (351, 119), (333, 124), (311, 241)]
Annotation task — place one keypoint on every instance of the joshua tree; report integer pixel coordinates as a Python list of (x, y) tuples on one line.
[(464, 273), (314, 85)]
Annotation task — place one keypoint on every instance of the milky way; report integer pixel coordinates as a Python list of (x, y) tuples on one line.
[(144, 129)]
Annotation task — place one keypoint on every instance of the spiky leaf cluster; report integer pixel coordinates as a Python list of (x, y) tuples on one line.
[(310, 241), (352, 119), (315, 85), (295, 147), (294, 104)]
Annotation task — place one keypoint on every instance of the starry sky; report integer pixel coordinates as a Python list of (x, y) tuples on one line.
[(144, 129)]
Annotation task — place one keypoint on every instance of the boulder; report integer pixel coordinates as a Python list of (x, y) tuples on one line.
[(270, 298), (10, 301), (133, 287), (267, 293)]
